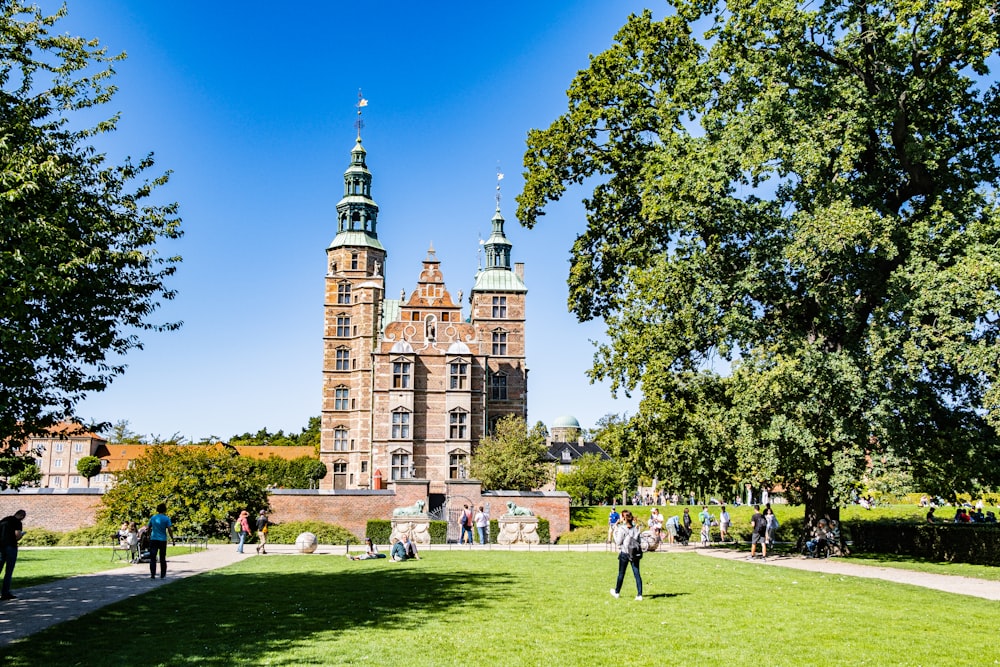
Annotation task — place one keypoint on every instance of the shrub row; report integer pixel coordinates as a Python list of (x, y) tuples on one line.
[(380, 530), (956, 543)]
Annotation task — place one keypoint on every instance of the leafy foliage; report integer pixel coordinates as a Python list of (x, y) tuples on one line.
[(512, 457), (301, 473), (794, 239), (88, 466), (326, 533), (205, 488), (592, 479), (309, 436), (80, 269)]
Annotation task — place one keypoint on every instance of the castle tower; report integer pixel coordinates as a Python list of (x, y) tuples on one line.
[(498, 302), (355, 290)]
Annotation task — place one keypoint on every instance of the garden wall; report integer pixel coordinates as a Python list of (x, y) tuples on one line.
[(62, 510)]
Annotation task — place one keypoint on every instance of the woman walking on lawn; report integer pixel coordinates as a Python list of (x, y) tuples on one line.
[(629, 552)]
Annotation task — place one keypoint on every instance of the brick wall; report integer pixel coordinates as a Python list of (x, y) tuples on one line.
[(63, 510), (60, 510)]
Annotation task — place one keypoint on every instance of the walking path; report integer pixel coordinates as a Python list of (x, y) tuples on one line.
[(40, 607), (981, 588)]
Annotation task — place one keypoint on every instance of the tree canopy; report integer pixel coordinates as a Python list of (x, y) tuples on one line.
[(793, 237), (512, 457), (80, 266)]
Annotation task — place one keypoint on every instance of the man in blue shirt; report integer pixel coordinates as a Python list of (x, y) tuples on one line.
[(160, 528), (612, 522)]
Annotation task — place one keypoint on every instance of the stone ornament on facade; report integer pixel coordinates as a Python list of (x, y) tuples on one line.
[(417, 529), (519, 529)]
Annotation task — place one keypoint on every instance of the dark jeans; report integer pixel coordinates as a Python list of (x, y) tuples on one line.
[(158, 547), (8, 558), (466, 530), (623, 563)]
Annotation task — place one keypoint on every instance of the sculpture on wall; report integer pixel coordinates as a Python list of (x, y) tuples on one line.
[(417, 509), (515, 510)]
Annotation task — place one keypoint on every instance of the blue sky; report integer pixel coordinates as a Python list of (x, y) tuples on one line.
[(251, 106)]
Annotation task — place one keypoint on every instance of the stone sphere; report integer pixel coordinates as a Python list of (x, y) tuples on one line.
[(306, 543)]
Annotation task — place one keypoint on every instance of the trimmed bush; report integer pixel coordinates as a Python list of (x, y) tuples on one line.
[(585, 535), (39, 537), (89, 536), (326, 533), (955, 543)]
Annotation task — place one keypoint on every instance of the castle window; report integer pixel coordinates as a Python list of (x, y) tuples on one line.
[(340, 440), (499, 307), (400, 465), (343, 326), (77, 447), (343, 359), (458, 425), (400, 425), (340, 467), (354, 258), (344, 293), (498, 387), (499, 343), (340, 396), (458, 465), (59, 447), (458, 375), (400, 375)]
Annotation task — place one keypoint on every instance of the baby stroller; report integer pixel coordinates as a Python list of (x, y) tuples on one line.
[(142, 555), (683, 535)]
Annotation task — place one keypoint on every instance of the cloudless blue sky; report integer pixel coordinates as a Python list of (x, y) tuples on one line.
[(251, 106)]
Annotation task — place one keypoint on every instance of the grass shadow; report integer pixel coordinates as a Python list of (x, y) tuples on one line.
[(210, 615)]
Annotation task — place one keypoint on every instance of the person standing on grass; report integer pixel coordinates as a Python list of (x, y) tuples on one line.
[(160, 527), (612, 522), (629, 552), (723, 524), (11, 530), (706, 525), (758, 533), (262, 524), (244, 525)]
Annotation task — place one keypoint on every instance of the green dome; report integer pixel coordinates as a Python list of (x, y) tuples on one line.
[(566, 421)]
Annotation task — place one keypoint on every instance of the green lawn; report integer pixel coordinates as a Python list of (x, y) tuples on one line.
[(517, 608), (42, 565)]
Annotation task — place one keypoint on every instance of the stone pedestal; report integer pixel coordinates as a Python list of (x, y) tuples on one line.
[(517, 530), (417, 528)]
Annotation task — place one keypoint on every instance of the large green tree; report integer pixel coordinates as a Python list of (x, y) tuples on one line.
[(81, 272), (793, 236), (205, 488), (512, 457)]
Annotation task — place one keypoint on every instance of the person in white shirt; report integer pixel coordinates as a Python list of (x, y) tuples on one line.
[(481, 523)]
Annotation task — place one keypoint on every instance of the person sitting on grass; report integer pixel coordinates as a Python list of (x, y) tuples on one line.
[(410, 548), (398, 552), (370, 553)]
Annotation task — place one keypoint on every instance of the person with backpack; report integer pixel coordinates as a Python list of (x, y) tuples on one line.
[(11, 530), (771, 526), (629, 552), (466, 523), (758, 534)]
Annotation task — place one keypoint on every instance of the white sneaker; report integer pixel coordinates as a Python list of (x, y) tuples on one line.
[(638, 598), (614, 594)]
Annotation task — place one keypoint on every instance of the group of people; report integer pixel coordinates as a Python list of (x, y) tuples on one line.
[(469, 519), (678, 529), (963, 515), (763, 528), (402, 549), (244, 533), (824, 539)]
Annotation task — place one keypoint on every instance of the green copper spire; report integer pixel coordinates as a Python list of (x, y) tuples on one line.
[(357, 212), (497, 275)]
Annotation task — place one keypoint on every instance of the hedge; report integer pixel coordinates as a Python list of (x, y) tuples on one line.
[(326, 533), (955, 543), (380, 530)]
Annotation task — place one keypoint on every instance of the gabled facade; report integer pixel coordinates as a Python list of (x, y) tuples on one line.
[(410, 385)]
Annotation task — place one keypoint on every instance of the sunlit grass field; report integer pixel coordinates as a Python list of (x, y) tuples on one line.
[(41, 565), (517, 608)]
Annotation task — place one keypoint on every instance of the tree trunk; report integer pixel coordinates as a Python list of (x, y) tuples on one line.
[(819, 505)]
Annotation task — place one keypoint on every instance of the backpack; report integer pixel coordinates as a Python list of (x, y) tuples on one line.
[(632, 545)]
